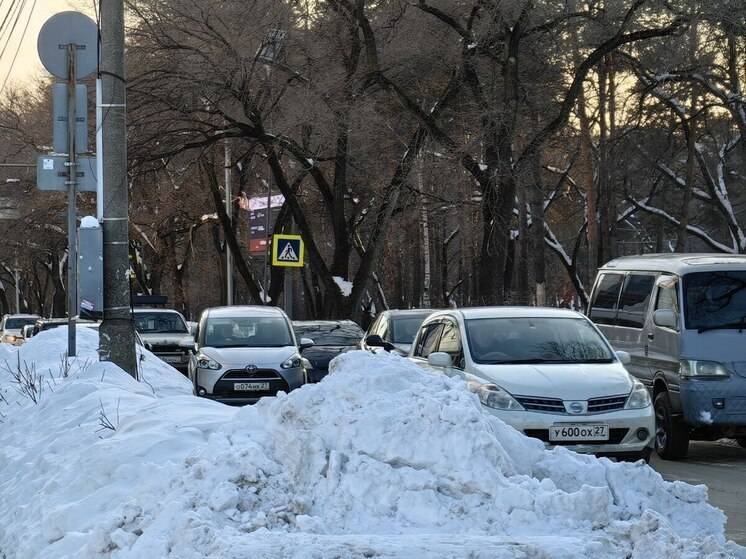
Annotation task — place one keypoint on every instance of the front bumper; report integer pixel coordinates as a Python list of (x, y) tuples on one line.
[(699, 398), (623, 429), (220, 385)]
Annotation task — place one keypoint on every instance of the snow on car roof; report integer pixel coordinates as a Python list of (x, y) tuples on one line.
[(511, 312), (677, 263), (244, 311)]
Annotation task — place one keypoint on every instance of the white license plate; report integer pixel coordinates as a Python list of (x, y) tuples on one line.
[(568, 432), (251, 386), (172, 358)]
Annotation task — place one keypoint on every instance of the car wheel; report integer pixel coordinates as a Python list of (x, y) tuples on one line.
[(671, 434)]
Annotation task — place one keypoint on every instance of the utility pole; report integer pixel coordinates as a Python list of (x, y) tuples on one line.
[(72, 218), (18, 287), (117, 333), (229, 211)]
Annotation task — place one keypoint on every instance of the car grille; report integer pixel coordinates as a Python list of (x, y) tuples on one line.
[(166, 348), (616, 436), (541, 404), (242, 374), (611, 403), (224, 387)]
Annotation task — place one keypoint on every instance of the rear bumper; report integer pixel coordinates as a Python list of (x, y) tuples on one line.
[(701, 402), (623, 429)]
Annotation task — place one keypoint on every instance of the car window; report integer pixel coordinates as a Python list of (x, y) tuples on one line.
[(18, 323), (247, 332), (635, 299), (450, 343), (330, 333), (431, 339), (160, 323), (604, 304), (404, 328), (536, 340), (715, 299)]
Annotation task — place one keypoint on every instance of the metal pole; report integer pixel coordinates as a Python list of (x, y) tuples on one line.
[(268, 244), (288, 274), (99, 154), (229, 211), (18, 287), (72, 223), (117, 333)]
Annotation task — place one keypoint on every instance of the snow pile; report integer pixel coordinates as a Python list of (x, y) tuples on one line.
[(89, 222), (344, 286), (379, 459)]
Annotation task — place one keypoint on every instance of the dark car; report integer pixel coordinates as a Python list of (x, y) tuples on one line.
[(394, 330), (330, 337)]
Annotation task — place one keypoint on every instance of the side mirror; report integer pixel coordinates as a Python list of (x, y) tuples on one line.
[(305, 343), (624, 357), (665, 318), (439, 359), (374, 340)]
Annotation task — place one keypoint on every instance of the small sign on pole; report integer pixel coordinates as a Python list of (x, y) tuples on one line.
[(287, 251)]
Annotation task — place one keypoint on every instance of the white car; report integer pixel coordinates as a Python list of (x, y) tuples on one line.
[(12, 324), (549, 373), (243, 353)]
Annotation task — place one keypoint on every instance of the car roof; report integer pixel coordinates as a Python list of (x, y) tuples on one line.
[(509, 312), (394, 313), (254, 311), (677, 263), (153, 309), (21, 315)]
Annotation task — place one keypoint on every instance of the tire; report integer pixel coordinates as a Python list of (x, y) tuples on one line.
[(671, 434)]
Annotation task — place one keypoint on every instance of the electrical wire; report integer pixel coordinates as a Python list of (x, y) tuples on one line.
[(16, 18), (18, 49)]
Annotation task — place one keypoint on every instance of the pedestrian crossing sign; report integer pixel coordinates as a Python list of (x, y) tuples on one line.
[(287, 250)]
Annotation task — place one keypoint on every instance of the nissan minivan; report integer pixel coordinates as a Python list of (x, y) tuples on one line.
[(682, 319)]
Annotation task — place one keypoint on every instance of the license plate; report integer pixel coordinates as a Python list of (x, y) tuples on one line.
[(568, 432), (172, 358), (251, 386)]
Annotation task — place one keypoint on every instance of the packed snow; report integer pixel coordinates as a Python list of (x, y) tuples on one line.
[(89, 222), (380, 459), (344, 286)]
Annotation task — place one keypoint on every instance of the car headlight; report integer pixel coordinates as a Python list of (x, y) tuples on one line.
[(205, 362), (495, 397), (639, 397), (697, 369), (291, 362)]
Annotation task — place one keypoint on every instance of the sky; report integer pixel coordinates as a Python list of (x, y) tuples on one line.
[(27, 65)]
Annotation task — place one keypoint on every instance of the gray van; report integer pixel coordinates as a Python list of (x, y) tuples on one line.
[(682, 319)]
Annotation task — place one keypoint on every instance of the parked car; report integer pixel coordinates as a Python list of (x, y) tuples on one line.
[(43, 324), (165, 332), (27, 332), (11, 326), (682, 318), (394, 330), (547, 372), (244, 353), (330, 337)]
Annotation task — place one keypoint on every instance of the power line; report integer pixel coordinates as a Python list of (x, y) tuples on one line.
[(18, 49), (4, 29)]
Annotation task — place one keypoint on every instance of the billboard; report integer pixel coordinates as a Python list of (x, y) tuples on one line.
[(259, 232)]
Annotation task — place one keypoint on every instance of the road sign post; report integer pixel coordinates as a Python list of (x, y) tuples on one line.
[(68, 45)]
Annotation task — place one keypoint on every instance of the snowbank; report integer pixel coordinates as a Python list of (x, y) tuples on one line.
[(380, 459)]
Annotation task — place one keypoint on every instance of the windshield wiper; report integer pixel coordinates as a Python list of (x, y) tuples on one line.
[(538, 361), (531, 361), (741, 325)]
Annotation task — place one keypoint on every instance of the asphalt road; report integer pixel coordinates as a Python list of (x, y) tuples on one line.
[(721, 466)]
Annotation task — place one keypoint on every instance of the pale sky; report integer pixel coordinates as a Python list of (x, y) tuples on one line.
[(27, 64)]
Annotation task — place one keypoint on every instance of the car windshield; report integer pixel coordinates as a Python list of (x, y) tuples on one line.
[(160, 323), (404, 328), (247, 332), (715, 300), (330, 333), (18, 323), (535, 340)]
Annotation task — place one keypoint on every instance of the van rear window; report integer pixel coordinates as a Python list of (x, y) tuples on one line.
[(604, 304)]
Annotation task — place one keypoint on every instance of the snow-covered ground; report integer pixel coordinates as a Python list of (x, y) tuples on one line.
[(380, 459)]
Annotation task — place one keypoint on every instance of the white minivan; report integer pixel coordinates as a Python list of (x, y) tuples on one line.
[(682, 318), (547, 372)]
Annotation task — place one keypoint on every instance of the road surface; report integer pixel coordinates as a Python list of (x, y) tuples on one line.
[(722, 467)]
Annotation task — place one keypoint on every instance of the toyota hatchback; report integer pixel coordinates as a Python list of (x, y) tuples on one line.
[(242, 354), (547, 372)]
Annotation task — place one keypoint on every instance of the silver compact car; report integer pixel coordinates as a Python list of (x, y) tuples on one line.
[(242, 354)]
